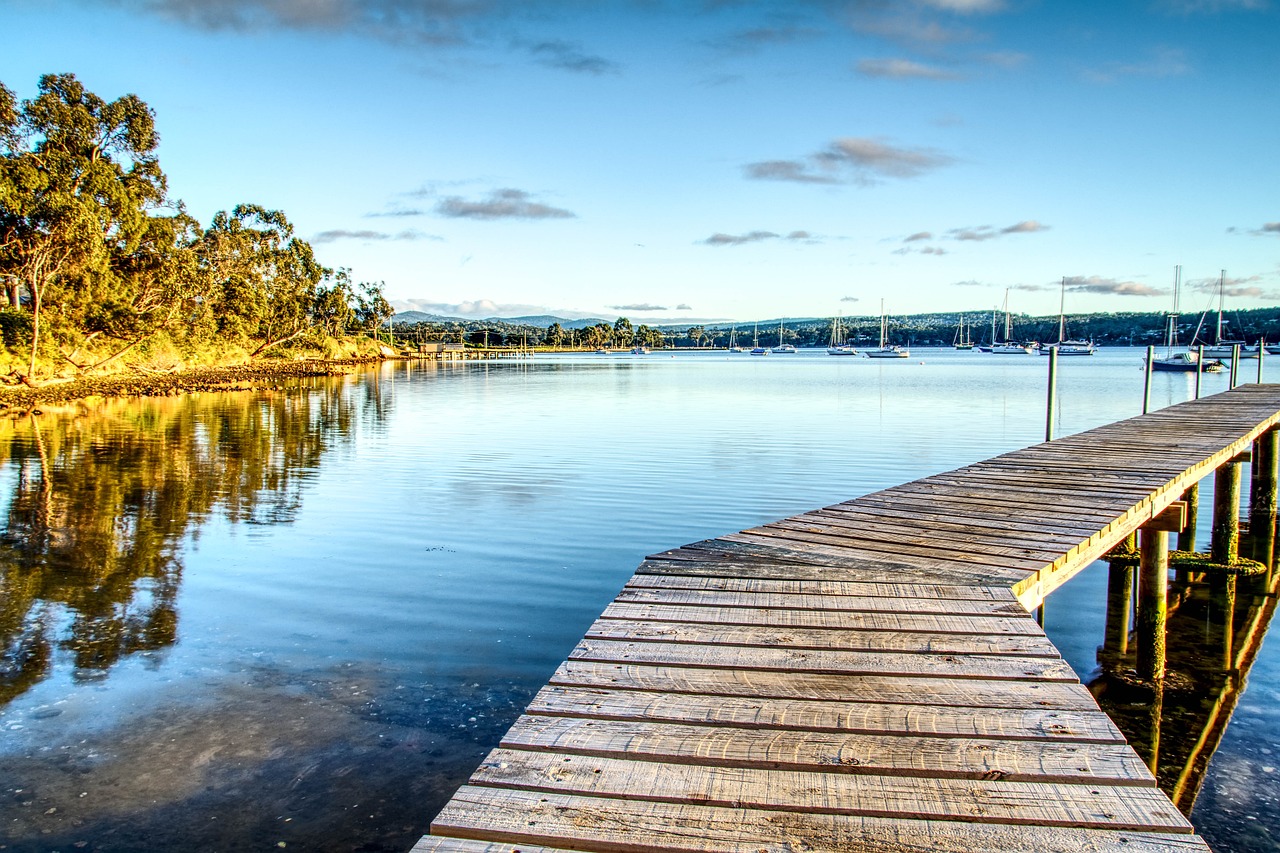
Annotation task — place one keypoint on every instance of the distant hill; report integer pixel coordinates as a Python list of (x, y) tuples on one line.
[(544, 320), (541, 321)]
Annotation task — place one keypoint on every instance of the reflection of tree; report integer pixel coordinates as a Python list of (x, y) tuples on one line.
[(100, 507)]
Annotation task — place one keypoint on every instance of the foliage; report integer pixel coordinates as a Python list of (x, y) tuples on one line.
[(99, 260)]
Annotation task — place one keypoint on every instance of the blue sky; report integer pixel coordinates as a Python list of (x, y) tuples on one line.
[(676, 162)]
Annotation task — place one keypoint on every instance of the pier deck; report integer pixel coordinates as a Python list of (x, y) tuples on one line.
[(861, 677)]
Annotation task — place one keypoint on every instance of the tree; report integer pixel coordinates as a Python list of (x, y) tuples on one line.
[(697, 333), (555, 335), (78, 176), (623, 334), (372, 309), (332, 310), (263, 280)]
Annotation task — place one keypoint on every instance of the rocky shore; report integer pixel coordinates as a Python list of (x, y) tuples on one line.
[(135, 384)]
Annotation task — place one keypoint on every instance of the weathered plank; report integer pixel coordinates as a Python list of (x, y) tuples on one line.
[(845, 752), (868, 688), (614, 825), (1046, 804), (821, 587), (976, 608), (703, 633), (808, 715)]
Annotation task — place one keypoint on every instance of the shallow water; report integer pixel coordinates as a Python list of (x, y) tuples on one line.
[(301, 616)]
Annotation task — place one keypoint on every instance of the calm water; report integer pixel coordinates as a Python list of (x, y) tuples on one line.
[(300, 617)]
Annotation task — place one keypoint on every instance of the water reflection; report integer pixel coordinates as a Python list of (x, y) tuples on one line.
[(1216, 626), (101, 501)]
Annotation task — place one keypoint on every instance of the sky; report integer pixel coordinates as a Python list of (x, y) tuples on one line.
[(723, 160)]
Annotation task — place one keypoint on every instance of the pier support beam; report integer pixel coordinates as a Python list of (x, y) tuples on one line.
[(1187, 536), (1220, 626), (1153, 602), (1224, 545)]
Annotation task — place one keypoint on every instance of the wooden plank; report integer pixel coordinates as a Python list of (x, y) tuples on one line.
[(1095, 806), (938, 623), (848, 717), (840, 752), (903, 554), (718, 561), (821, 587), (614, 825), (945, 529), (874, 604), (832, 662), (990, 548), (849, 639), (818, 686)]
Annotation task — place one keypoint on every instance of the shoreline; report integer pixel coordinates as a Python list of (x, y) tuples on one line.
[(241, 377)]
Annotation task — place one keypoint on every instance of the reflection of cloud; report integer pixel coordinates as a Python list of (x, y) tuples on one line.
[(990, 232), (857, 160), (903, 69), (343, 234), (639, 306), (501, 204), (1098, 284)]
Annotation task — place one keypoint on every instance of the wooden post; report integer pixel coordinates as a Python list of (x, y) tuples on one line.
[(1119, 609), (1187, 536), (1146, 386), (1224, 543), (1151, 748), (1262, 485), (1199, 368), (1153, 587), (1053, 394), (1235, 365), (1262, 353)]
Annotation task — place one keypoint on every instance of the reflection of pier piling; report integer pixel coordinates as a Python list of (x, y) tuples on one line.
[(869, 676), (1198, 639)]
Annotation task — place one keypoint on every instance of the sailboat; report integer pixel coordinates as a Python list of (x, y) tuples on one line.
[(1180, 362), (756, 349), (838, 346), (733, 340), (1221, 348), (886, 351), (1064, 346), (1009, 347), (781, 347), (962, 340)]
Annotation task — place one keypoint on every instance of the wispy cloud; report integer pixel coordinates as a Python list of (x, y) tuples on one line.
[(566, 56), (1213, 7), (852, 160), (1243, 288), (344, 234), (756, 38), (1268, 228), (990, 232), (919, 235), (1162, 62), (683, 307), (722, 239), (483, 308), (1112, 286), (397, 213), (638, 306), (850, 299), (971, 283), (504, 203), (903, 69)]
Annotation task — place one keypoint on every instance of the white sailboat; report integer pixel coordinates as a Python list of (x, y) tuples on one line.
[(886, 351), (962, 339), (1009, 347), (1180, 362), (838, 346), (756, 349), (1222, 348), (1064, 346), (781, 347)]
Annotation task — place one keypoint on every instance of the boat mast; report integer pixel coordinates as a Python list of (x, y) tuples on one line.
[(1062, 312), (1172, 334), (1008, 321), (882, 324), (1222, 286)]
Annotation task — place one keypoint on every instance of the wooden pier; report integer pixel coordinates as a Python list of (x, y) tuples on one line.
[(868, 676)]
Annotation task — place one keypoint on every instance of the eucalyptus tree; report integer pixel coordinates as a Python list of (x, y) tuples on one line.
[(623, 333), (263, 281), (78, 179)]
